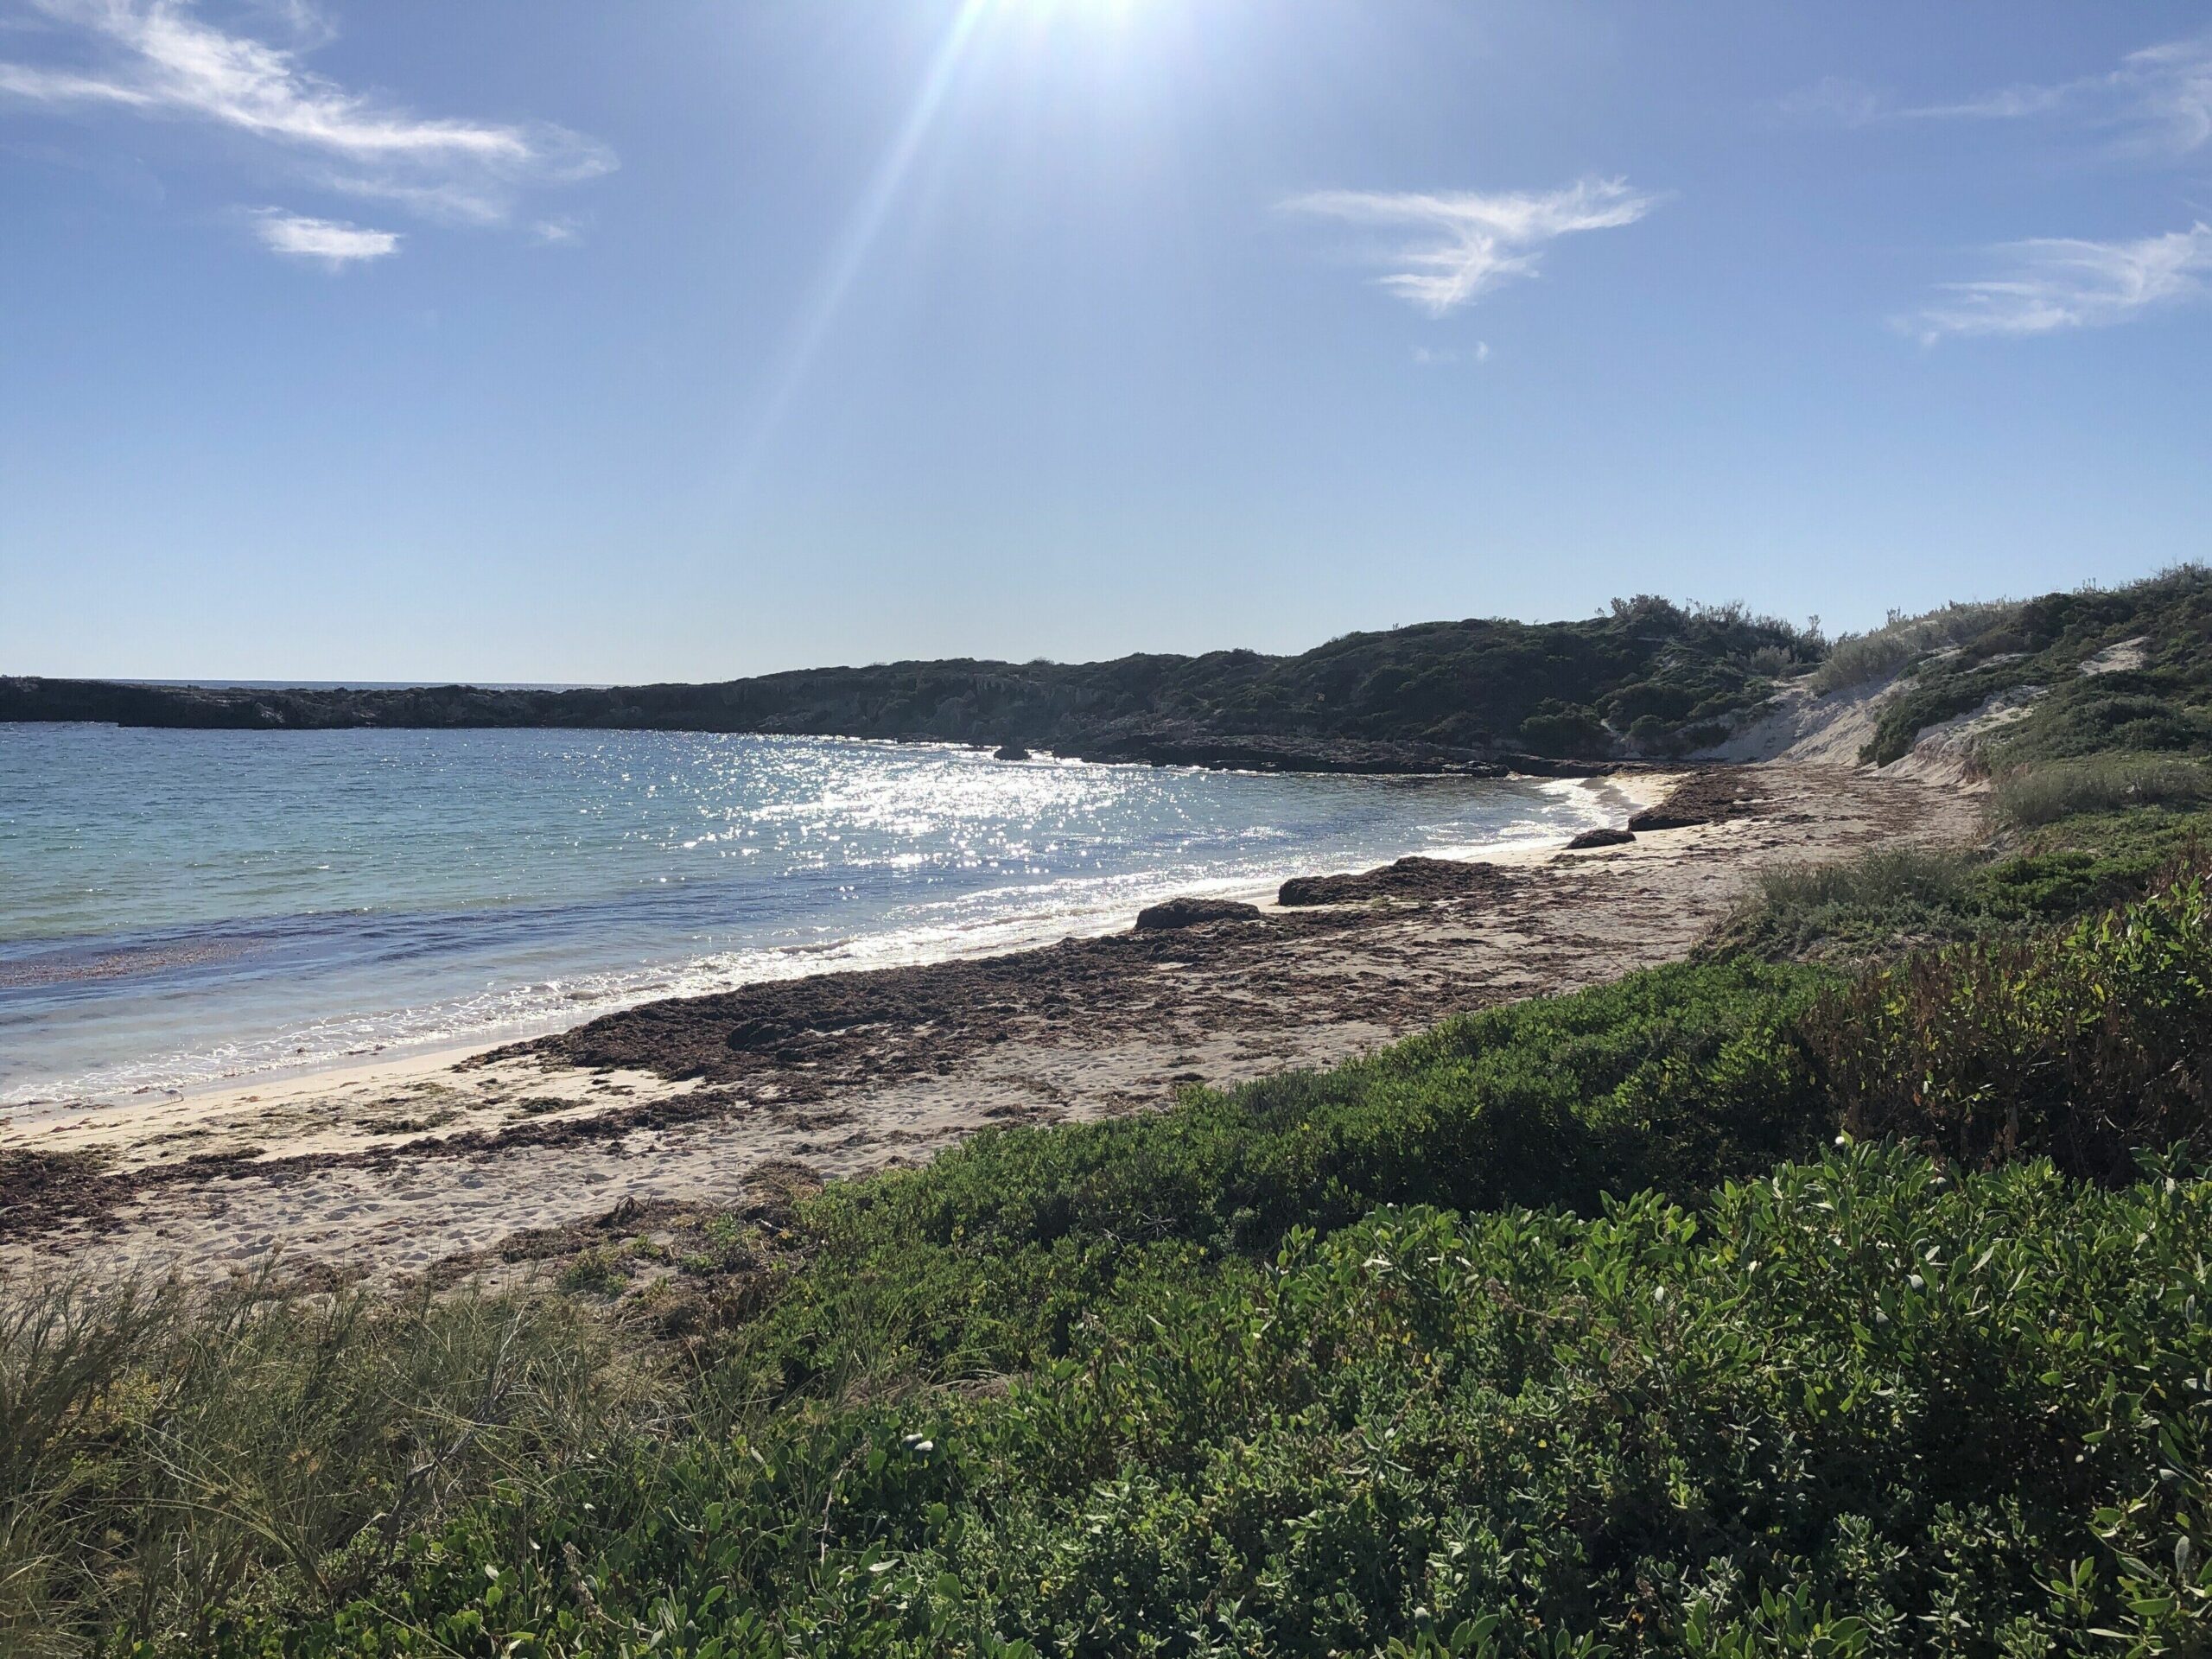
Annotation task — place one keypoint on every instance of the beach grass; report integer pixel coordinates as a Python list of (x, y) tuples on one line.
[(2026, 796), (164, 1449), (1851, 908)]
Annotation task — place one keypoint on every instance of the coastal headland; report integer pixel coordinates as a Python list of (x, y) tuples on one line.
[(1648, 679)]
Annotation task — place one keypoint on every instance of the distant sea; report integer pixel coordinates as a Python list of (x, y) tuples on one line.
[(179, 909)]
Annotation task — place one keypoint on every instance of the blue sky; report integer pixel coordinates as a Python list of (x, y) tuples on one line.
[(583, 342)]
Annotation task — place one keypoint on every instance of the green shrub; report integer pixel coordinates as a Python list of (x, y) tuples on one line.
[(1565, 728), (1851, 1409), (1675, 1079), (2083, 1047), (2096, 860)]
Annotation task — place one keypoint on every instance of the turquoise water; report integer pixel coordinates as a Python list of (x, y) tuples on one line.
[(182, 908)]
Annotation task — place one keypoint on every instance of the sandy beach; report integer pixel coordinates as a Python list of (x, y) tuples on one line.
[(452, 1163)]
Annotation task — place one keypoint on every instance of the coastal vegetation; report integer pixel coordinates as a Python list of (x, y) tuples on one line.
[(1839, 1292), (2023, 878), (2095, 673), (1857, 659), (1559, 1328), (2028, 796)]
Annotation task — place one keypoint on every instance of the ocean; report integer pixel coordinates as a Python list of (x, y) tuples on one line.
[(180, 910)]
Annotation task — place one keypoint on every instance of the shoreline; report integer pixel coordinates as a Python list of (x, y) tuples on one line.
[(426, 1165), (403, 1062)]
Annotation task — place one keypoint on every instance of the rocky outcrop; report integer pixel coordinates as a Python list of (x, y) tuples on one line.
[(1413, 878), (1600, 838), (1163, 745), (1193, 912), (1713, 796)]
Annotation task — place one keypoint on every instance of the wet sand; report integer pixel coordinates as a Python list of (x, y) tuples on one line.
[(439, 1164)]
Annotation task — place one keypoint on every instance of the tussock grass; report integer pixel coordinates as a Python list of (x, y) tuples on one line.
[(2028, 796), (1854, 907), (1887, 878), (163, 1450)]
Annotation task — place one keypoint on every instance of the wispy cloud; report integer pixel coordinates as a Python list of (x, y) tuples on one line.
[(1461, 243), (161, 58), (334, 244), (2057, 282), (2158, 101), (1835, 100), (1430, 357)]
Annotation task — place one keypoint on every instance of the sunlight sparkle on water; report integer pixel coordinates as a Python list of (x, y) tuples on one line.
[(180, 907)]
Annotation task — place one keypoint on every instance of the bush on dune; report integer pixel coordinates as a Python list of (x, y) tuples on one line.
[(2048, 650), (1857, 659)]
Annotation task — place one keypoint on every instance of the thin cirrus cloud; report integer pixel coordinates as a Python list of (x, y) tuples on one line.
[(1455, 247), (161, 58), (2156, 104), (2158, 101), (334, 244), (2052, 284)]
